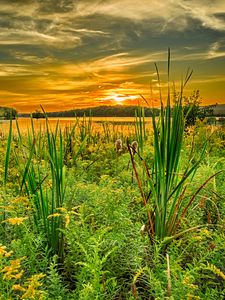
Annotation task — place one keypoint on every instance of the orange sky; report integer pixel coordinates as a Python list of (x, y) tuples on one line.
[(70, 54)]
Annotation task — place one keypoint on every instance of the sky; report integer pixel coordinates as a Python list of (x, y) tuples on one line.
[(66, 54)]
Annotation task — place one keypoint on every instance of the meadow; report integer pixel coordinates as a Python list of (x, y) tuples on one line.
[(112, 211)]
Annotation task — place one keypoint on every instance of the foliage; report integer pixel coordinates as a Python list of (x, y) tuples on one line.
[(42, 177), (7, 113), (38, 114), (107, 253), (165, 190), (140, 128), (100, 111), (193, 111)]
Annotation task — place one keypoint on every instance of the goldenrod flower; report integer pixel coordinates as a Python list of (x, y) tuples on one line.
[(21, 200), (32, 284), (54, 215), (67, 220), (16, 221), (8, 254), (192, 297), (205, 232), (19, 275), (12, 271), (216, 271), (2, 250), (62, 209), (18, 287), (7, 208)]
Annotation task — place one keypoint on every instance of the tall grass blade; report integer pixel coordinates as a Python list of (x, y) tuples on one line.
[(7, 155)]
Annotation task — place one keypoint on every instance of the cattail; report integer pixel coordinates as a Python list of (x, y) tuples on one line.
[(118, 145), (134, 147), (143, 229)]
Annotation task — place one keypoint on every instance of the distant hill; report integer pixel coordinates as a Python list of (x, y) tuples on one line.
[(98, 111), (110, 111)]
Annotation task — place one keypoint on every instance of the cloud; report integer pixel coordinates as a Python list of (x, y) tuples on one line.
[(206, 12), (84, 51), (173, 14), (34, 59), (19, 8), (216, 50), (27, 37), (7, 70)]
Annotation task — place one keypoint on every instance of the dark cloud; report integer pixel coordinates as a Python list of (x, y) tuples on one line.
[(59, 6)]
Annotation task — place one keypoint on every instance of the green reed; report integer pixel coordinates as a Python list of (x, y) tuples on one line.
[(7, 155), (85, 127), (40, 159), (140, 129), (166, 184)]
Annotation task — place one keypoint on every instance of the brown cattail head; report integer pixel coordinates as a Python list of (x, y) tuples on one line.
[(118, 145), (134, 146)]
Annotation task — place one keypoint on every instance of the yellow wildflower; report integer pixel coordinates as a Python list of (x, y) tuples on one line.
[(8, 254), (16, 221), (192, 297), (67, 220), (197, 238), (62, 209), (49, 184), (186, 280), (205, 232), (216, 271), (18, 287), (32, 285), (7, 208), (12, 271), (192, 286), (54, 215), (21, 200), (2, 250), (19, 275)]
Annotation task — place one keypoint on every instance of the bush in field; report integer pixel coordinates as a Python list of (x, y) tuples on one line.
[(193, 111)]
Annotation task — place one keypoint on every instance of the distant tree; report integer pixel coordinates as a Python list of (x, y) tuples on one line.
[(193, 110), (7, 113), (37, 114)]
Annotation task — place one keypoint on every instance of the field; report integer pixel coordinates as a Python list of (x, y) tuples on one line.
[(88, 213)]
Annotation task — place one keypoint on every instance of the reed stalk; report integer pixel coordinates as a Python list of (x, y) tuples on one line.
[(166, 183), (140, 128), (40, 161)]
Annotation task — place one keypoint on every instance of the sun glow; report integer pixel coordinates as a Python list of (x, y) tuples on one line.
[(120, 98)]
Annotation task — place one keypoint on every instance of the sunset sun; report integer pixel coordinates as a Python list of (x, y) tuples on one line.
[(119, 99)]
